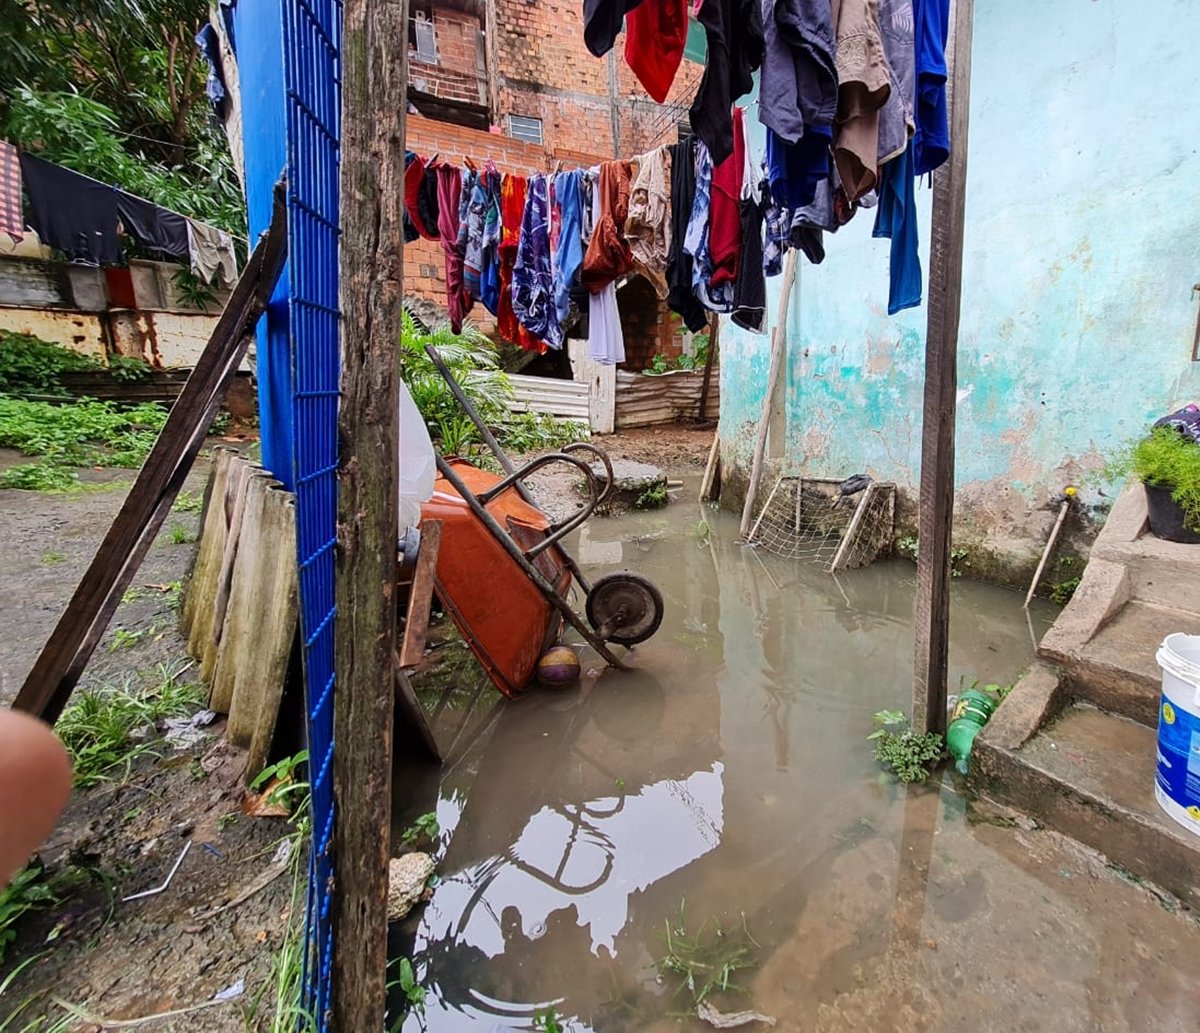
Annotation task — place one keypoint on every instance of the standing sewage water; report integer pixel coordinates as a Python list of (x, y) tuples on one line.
[(711, 831)]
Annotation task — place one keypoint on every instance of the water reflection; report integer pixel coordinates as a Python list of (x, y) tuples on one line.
[(728, 770)]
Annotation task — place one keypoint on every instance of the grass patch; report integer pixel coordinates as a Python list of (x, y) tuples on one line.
[(188, 502), (654, 497), (106, 729), (82, 433), (51, 558), (178, 534), (28, 891)]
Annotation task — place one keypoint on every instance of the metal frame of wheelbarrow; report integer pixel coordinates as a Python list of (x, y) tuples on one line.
[(514, 479)]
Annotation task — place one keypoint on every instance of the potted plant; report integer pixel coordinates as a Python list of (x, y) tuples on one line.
[(1168, 465)]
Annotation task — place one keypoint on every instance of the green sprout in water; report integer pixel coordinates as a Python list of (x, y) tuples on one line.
[(908, 756), (705, 963)]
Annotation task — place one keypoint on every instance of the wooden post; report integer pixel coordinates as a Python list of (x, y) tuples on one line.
[(714, 334), (1037, 574), (374, 99), (601, 380), (778, 337), (932, 615)]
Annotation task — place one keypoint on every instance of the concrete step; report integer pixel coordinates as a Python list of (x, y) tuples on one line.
[(1115, 668), (1089, 775)]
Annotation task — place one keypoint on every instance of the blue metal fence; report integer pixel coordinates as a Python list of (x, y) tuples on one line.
[(312, 79)]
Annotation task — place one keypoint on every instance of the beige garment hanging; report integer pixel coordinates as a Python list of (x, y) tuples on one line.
[(211, 251), (648, 224)]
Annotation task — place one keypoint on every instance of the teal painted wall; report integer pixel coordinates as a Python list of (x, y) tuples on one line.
[(1082, 245)]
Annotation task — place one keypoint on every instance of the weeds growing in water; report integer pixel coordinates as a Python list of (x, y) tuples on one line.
[(654, 497), (1063, 591), (547, 1022), (705, 962), (425, 827), (908, 756), (406, 980), (106, 729)]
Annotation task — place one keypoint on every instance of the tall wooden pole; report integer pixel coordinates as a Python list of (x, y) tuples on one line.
[(932, 616), (374, 99)]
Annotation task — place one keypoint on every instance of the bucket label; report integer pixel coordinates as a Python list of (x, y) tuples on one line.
[(1178, 773)]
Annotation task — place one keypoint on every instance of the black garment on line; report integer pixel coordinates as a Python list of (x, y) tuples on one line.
[(750, 288), (733, 30), (602, 21), (152, 226), (73, 213), (427, 202), (680, 296)]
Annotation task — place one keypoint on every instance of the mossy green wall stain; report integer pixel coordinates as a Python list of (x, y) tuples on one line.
[(1082, 243)]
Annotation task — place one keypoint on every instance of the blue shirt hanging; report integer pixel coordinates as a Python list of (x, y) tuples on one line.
[(932, 140), (896, 218)]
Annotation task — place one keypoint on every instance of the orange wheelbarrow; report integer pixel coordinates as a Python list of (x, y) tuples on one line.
[(503, 573)]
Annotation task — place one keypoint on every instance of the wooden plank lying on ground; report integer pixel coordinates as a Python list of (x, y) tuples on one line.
[(62, 660)]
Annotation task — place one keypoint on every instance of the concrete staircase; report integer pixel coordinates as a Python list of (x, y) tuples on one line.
[(1074, 744)]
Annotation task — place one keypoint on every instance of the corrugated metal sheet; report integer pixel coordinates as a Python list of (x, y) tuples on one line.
[(567, 399), (644, 400)]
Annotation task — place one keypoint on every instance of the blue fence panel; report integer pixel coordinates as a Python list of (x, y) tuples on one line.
[(312, 79)]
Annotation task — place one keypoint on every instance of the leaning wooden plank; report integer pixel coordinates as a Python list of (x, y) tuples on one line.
[(245, 471), (412, 711), (201, 638), (62, 660), (274, 595), (200, 589), (420, 595), (224, 663)]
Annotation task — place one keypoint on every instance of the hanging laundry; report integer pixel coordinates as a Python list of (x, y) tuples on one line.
[(932, 21), (896, 218), (152, 226), (733, 30), (696, 243), (796, 168), (776, 224), (655, 38), (414, 176), (472, 230), (533, 278), (680, 297), (469, 179), (750, 290), (606, 339), (648, 225), (410, 227), (12, 217), (813, 221), (427, 203), (602, 22), (489, 292), (896, 119), (209, 45), (724, 219), (608, 257), (73, 213), (513, 191), (798, 87), (450, 190), (863, 88), (212, 253), (568, 254)]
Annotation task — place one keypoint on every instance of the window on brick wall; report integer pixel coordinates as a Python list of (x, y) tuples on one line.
[(423, 38), (522, 127)]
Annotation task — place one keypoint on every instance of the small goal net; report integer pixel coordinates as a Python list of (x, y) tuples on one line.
[(807, 518)]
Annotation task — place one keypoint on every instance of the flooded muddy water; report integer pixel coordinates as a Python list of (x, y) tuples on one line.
[(717, 813)]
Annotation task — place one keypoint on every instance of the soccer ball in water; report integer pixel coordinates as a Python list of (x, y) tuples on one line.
[(558, 667)]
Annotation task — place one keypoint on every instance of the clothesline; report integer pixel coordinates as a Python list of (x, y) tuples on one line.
[(83, 217)]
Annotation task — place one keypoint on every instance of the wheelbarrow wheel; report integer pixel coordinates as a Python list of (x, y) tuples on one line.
[(624, 608)]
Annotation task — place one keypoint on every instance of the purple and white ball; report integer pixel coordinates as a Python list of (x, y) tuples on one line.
[(558, 667)]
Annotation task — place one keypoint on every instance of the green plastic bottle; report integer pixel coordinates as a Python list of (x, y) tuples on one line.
[(971, 713)]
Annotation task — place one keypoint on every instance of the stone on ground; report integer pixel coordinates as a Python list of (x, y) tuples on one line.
[(407, 877), (631, 480)]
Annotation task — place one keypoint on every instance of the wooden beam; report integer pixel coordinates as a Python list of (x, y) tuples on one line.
[(62, 660), (714, 334), (932, 614), (374, 101), (778, 339)]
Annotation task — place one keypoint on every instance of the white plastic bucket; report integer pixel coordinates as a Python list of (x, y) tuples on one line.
[(1177, 781)]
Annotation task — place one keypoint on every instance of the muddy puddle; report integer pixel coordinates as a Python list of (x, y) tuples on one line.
[(717, 814)]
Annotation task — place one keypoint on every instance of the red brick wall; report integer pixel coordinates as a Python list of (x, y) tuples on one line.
[(647, 325), (459, 73)]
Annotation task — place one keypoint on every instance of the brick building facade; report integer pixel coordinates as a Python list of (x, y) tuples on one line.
[(528, 95)]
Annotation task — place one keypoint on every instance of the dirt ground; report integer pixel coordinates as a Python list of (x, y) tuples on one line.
[(128, 959)]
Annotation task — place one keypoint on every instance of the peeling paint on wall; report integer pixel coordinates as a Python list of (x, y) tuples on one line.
[(1082, 245)]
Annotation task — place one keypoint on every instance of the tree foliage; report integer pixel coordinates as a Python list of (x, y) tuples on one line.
[(115, 89)]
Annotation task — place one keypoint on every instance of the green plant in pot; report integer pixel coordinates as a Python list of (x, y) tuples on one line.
[(1168, 465)]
